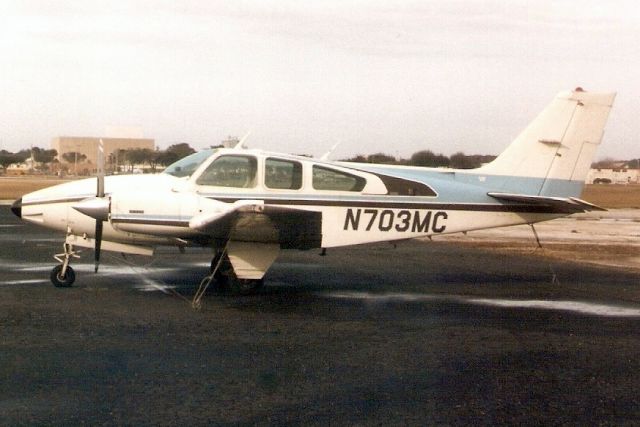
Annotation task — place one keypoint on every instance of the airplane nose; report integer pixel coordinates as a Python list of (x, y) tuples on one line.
[(16, 208)]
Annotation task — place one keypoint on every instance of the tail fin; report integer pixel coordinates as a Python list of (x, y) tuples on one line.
[(557, 148)]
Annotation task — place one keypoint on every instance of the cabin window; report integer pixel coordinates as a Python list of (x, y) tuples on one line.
[(331, 179), (230, 171), (282, 174)]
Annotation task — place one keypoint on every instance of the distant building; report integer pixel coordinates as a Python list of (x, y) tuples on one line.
[(617, 174), (25, 168), (89, 146), (230, 142)]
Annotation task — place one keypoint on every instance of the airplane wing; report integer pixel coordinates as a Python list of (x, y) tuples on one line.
[(562, 204), (256, 222)]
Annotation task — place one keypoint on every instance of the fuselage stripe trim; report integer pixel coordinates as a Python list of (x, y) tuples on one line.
[(519, 208)]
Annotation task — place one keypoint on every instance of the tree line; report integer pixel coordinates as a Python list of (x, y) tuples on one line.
[(126, 160), (609, 163), (145, 156), (427, 158), (119, 160), (40, 155)]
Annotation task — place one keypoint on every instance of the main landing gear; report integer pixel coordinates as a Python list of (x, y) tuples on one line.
[(63, 276), (227, 280), (224, 279)]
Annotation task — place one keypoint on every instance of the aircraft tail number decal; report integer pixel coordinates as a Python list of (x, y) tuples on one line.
[(411, 221)]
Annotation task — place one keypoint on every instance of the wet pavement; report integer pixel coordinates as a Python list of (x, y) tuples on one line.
[(424, 333)]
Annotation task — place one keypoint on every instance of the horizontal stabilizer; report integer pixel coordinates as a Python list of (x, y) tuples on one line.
[(563, 204)]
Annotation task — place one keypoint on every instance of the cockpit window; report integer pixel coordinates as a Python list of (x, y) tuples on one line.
[(282, 174), (188, 165), (331, 179), (230, 171)]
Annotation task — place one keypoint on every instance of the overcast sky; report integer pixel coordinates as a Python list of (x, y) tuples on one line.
[(390, 76)]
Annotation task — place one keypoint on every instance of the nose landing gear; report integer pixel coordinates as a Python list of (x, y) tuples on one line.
[(63, 276), (60, 279)]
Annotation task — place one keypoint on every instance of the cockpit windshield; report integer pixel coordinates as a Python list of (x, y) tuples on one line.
[(187, 165)]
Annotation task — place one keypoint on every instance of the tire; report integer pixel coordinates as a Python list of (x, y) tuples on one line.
[(245, 286), (62, 282), (226, 280)]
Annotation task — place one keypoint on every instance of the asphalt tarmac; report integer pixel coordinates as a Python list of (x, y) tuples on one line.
[(425, 333)]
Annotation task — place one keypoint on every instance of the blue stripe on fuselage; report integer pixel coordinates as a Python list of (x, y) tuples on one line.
[(475, 186)]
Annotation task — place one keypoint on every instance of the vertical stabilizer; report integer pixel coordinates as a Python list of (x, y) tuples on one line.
[(557, 148)]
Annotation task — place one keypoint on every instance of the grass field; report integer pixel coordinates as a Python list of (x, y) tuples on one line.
[(613, 196), (607, 196), (14, 187)]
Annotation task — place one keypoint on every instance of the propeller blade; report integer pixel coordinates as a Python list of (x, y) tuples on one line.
[(100, 171), (99, 194), (98, 243)]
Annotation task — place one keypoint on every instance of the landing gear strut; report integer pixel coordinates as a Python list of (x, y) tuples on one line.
[(63, 276), (223, 278)]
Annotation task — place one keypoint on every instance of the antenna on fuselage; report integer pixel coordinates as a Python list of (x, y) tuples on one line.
[(326, 155), (240, 143)]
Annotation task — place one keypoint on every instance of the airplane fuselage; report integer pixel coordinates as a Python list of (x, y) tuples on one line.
[(157, 209)]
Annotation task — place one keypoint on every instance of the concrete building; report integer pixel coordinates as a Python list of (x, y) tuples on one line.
[(620, 174), (89, 146)]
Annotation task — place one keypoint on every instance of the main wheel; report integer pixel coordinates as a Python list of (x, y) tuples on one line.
[(60, 281), (245, 286)]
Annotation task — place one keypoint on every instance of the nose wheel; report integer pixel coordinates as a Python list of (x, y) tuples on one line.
[(63, 276), (60, 279)]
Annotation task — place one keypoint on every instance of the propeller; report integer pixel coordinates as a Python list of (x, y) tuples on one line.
[(100, 195), (97, 207)]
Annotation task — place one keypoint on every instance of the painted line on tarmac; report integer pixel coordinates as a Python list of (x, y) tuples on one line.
[(22, 282), (574, 306), (570, 306), (151, 285)]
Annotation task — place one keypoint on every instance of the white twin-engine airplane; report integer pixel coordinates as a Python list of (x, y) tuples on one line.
[(249, 204)]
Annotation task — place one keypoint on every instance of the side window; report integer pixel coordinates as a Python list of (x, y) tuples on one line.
[(331, 179), (230, 171), (283, 174)]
